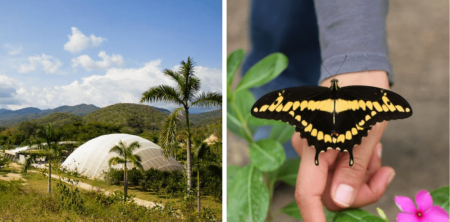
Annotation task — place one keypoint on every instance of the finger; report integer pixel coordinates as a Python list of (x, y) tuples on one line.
[(311, 180), (300, 145), (372, 191), (297, 143), (374, 163), (310, 185), (347, 180)]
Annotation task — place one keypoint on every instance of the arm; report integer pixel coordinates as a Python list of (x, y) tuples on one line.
[(354, 30)]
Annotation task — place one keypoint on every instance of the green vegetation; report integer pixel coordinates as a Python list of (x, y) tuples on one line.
[(185, 94), (206, 118), (21, 202), (83, 132), (136, 119), (10, 118), (56, 119), (126, 156), (205, 157), (3, 162), (51, 149), (132, 118)]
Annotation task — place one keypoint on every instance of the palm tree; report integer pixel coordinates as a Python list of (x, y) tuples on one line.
[(186, 94), (204, 154), (126, 156), (52, 137)]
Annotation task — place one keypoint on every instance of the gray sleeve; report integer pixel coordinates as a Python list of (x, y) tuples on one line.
[(356, 29)]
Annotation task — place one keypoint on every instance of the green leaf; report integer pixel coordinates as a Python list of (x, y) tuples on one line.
[(264, 71), (351, 215), (233, 62), (248, 198), (382, 214), (263, 122), (267, 154), (238, 111), (292, 210), (329, 215), (244, 101), (288, 171), (282, 133), (441, 197), (231, 172), (235, 125), (372, 218)]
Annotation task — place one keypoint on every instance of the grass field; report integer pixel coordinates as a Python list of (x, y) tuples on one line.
[(32, 198)]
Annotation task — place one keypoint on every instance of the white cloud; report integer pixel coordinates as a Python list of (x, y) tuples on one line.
[(211, 79), (13, 50), (8, 91), (108, 61), (78, 41), (117, 85), (48, 63)]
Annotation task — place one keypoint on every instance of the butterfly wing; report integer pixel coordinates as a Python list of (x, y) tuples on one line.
[(328, 120), (381, 104), (358, 108), (309, 109)]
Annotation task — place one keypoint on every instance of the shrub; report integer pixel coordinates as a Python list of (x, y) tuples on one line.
[(70, 198), (113, 176), (134, 176)]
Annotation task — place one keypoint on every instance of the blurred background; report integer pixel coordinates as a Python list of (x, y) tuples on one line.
[(417, 147)]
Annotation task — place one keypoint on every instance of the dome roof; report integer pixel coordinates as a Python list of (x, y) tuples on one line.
[(91, 158)]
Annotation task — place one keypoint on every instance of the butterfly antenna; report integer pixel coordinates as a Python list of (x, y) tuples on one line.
[(341, 64), (326, 70), (338, 69)]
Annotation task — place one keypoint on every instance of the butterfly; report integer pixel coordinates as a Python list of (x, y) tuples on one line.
[(335, 117)]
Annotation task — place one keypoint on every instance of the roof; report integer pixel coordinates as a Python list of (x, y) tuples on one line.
[(17, 150)]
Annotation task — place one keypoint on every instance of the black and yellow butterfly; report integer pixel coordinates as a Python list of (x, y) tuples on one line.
[(332, 118)]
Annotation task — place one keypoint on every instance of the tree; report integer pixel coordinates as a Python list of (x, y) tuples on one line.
[(52, 137), (28, 128), (126, 156), (3, 161), (186, 94), (204, 155)]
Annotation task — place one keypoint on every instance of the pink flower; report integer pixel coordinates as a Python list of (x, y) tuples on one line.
[(426, 212)]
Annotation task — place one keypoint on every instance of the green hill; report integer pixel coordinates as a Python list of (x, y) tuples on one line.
[(11, 120), (79, 110), (57, 119), (136, 117), (206, 118)]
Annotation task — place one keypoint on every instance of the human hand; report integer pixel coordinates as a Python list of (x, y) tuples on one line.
[(333, 182)]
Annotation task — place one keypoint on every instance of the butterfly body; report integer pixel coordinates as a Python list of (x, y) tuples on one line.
[(334, 117)]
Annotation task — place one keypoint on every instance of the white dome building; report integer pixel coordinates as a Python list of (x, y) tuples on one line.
[(91, 159)]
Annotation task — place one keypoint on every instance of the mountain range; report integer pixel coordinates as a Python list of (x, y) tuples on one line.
[(115, 113)]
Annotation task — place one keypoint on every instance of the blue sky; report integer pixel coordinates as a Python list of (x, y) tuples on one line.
[(55, 53)]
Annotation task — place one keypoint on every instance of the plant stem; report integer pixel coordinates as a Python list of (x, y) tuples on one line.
[(270, 188), (243, 121)]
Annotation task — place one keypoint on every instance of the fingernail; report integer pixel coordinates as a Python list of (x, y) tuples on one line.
[(379, 150), (390, 178), (345, 195)]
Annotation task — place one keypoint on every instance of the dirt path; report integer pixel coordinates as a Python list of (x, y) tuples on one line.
[(12, 176)]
